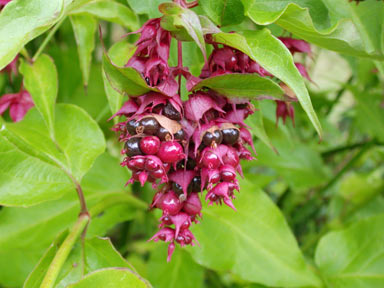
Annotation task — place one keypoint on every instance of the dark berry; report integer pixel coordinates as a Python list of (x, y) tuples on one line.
[(132, 147), (177, 188), (195, 185), (170, 152), (164, 134), (191, 164), (230, 135), (170, 112), (131, 126), (149, 125), (210, 137), (150, 145), (147, 80), (179, 135)]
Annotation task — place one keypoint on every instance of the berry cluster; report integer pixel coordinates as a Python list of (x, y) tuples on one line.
[(185, 147)]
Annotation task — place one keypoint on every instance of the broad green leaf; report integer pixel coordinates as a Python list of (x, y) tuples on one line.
[(125, 80), (249, 86), (369, 113), (182, 271), (110, 11), (149, 7), (110, 278), (99, 254), (272, 55), (327, 23), (300, 165), (224, 12), (119, 54), (27, 180), (23, 20), (177, 18), (84, 27), (353, 257), (40, 79), (253, 242), (21, 227), (78, 143)]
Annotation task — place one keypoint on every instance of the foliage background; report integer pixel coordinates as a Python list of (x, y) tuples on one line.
[(310, 216)]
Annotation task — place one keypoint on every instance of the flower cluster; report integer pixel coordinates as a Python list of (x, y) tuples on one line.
[(185, 147)]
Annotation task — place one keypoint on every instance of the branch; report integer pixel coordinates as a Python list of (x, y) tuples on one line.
[(63, 252)]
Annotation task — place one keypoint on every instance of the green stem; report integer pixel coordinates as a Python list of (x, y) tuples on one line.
[(47, 39), (63, 252), (348, 148), (348, 166)]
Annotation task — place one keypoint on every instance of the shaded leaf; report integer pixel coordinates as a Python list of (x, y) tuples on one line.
[(84, 27), (182, 271), (110, 11), (353, 257), (272, 55), (249, 86), (224, 12), (256, 237)]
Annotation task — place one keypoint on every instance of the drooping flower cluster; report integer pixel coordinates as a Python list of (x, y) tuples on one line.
[(185, 148)]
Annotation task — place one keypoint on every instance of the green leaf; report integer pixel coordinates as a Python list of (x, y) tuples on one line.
[(79, 141), (272, 55), (84, 27), (149, 7), (27, 180), (369, 113), (224, 12), (353, 257), (119, 53), (25, 20), (182, 271), (249, 86), (125, 80), (325, 23), (99, 254), (40, 79), (254, 242), (110, 11), (177, 18), (21, 227), (112, 277)]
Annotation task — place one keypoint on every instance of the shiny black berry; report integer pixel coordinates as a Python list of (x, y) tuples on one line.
[(170, 112), (131, 126), (177, 188), (195, 185), (149, 125), (230, 135), (179, 135), (216, 136), (164, 134), (132, 147)]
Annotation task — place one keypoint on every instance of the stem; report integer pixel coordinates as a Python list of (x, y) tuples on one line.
[(348, 147), (47, 39), (338, 96), (63, 252), (179, 60), (348, 166)]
